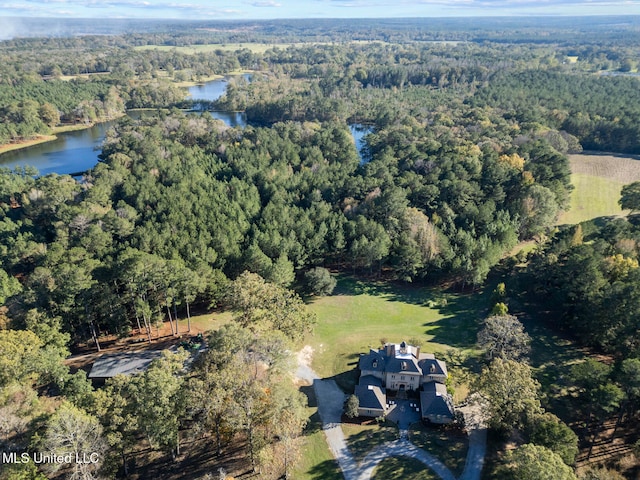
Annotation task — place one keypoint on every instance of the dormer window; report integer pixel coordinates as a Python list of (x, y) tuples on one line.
[(375, 364), (403, 348), (432, 368), (403, 365)]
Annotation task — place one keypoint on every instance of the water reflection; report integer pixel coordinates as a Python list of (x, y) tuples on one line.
[(359, 132), (75, 152)]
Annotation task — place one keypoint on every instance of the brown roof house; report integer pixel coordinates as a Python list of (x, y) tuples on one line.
[(400, 367)]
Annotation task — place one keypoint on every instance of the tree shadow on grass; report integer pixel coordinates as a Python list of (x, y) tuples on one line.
[(327, 470), (400, 468), (415, 294), (463, 316), (308, 391), (367, 439)]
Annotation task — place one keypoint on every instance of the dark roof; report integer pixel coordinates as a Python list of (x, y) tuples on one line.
[(431, 366), (370, 380), (372, 361), (371, 396), (379, 361), (403, 365), (434, 400), (123, 363)]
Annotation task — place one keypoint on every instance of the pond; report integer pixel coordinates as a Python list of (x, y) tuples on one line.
[(359, 132)]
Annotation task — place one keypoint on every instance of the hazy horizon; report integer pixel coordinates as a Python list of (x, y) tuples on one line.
[(288, 9)]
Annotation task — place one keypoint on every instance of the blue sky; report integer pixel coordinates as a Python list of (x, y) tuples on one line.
[(267, 9)]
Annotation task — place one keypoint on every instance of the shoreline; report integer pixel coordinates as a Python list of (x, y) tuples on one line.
[(11, 147)]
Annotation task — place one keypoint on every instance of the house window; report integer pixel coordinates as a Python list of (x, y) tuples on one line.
[(393, 377), (402, 377)]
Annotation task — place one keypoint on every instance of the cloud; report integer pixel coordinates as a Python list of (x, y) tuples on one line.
[(268, 3), (498, 4)]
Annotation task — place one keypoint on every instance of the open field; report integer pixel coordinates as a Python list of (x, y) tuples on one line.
[(597, 179), (226, 47), (361, 313), (253, 47)]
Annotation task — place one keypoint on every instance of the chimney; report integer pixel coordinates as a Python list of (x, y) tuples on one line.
[(418, 352), (389, 350)]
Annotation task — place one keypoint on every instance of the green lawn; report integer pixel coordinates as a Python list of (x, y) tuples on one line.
[(316, 461), (402, 468), (206, 321), (449, 446), (361, 313), (361, 439)]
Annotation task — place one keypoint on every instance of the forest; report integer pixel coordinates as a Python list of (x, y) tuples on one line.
[(465, 159)]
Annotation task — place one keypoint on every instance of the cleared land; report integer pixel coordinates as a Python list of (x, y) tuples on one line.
[(598, 179), (227, 47), (360, 314), (253, 47)]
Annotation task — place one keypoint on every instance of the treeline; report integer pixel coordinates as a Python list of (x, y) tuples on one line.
[(599, 111), (181, 202), (589, 275), (237, 391)]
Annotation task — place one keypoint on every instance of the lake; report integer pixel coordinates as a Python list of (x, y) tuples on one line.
[(76, 152), (73, 153)]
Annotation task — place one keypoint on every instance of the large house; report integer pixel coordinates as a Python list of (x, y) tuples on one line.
[(402, 368)]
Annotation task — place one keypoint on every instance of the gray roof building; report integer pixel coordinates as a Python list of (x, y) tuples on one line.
[(123, 363)]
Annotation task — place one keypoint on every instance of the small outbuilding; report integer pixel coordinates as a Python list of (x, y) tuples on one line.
[(122, 363)]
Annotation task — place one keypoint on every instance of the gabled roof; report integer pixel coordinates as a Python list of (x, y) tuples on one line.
[(434, 400), (430, 366), (370, 380), (401, 358), (374, 361)]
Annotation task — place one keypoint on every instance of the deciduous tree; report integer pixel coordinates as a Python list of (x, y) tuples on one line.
[(503, 336)]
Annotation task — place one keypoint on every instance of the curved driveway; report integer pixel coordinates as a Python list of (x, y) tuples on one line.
[(330, 401)]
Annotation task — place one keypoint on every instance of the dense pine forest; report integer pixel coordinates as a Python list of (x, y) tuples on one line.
[(468, 131)]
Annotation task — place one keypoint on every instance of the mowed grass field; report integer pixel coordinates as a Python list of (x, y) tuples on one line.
[(598, 179), (361, 313)]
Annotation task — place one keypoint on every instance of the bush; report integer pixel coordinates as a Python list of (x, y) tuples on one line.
[(351, 407), (319, 281)]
